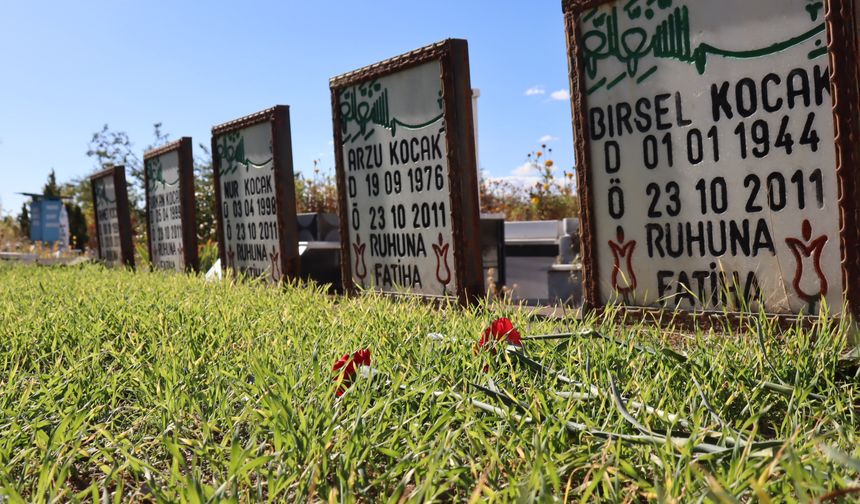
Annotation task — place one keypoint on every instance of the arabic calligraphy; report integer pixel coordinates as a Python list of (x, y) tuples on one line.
[(670, 38), (367, 104), (101, 194), (155, 174), (231, 151)]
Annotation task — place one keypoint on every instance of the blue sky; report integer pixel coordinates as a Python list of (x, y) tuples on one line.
[(70, 67)]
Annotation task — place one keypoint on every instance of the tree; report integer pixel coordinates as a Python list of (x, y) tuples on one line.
[(79, 191), (317, 193), (24, 221), (204, 195), (79, 234), (161, 138), (51, 189), (10, 234), (115, 148)]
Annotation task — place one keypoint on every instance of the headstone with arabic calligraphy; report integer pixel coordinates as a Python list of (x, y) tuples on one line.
[(113, 221), (256, 195), (108, 226), (399, 212), (706, 138), (170, 206)]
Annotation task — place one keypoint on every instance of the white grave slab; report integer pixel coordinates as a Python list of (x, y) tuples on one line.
[(397, 182), (249, 203), (712, 160), (110, 247), (165, 211)]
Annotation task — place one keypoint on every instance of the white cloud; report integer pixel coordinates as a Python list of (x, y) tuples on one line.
[(522, 182), (547, 138), (535, 91), (523, 170), (560, 95), (520, 177)]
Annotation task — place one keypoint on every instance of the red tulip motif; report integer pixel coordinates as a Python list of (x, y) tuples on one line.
[(623, 275), (360, 266), (808, 273), (346, 369), (443, 272), (276, 264)]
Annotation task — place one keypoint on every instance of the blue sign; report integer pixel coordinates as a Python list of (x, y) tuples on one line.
[(46, 216)]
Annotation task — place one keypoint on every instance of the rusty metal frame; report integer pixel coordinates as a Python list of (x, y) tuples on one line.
[(453, 56), (285, 184), (123, 213), (187, 200), (843, 35)]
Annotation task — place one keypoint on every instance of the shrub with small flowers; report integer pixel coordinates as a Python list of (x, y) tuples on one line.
[(317, 193), (551, 197)]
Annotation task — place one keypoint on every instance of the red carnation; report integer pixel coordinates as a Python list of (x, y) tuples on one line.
[(501, 329), (347, 365)]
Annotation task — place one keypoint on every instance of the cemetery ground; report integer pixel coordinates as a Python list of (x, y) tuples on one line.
[(121, 386)]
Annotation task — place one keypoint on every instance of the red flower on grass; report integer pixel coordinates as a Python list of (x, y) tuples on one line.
[(346, 368), (501, 329)]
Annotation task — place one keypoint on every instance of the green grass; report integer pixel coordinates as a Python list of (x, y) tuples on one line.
[(119, 386)]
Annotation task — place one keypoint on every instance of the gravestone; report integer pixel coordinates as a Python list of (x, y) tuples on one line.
[(406, 174), (710, 172), (113, 220), (255, 195), (171, 216)]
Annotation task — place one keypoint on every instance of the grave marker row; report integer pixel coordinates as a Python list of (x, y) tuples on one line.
[(406, 174), (716, 146)]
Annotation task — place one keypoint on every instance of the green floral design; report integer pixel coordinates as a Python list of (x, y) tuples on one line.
[(231, 152)]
